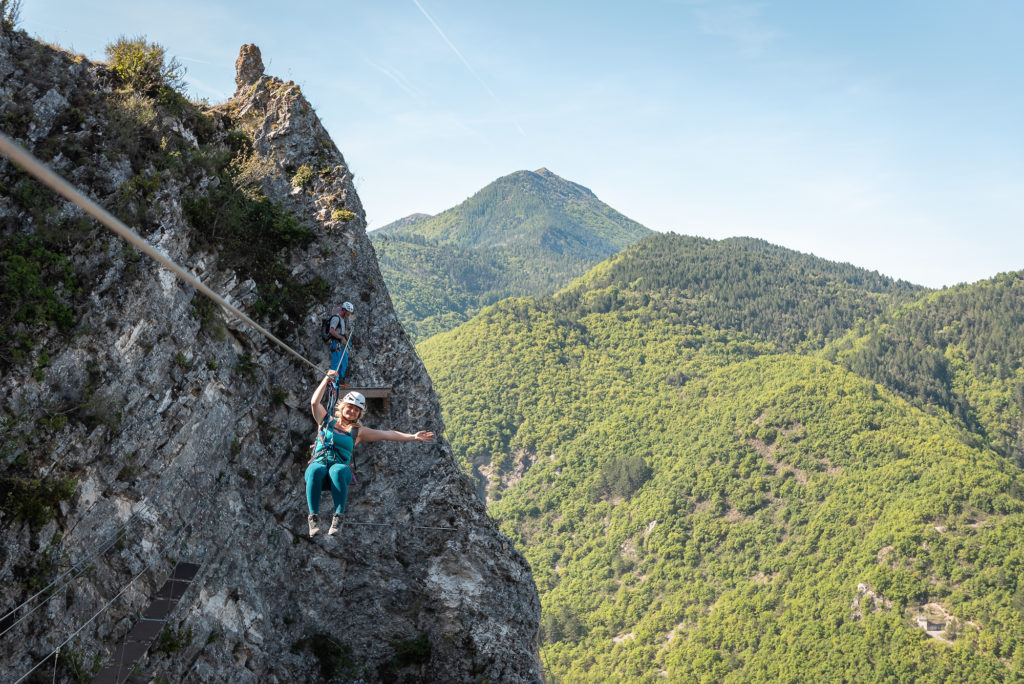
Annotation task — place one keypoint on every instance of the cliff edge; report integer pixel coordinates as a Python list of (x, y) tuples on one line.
[(142, 428)]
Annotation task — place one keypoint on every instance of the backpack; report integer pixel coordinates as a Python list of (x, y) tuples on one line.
[(325, 329)]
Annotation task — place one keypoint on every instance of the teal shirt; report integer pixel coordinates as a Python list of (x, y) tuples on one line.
[(334, 446)]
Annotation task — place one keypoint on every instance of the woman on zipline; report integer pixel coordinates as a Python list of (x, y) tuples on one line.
[(332, 456)]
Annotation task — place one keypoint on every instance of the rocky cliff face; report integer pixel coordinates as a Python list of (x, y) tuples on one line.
[(142, 427)]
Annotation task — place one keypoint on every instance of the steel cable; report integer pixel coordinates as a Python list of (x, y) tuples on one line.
[(26, 160), (167, 547), (82, 564)]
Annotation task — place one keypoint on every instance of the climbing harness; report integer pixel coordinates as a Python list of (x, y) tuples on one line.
[(324, 440), (21, 157), (325, 449), (332, 400)]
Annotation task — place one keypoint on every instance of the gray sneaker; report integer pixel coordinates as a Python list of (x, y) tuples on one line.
[(314, 524), (335, 524)]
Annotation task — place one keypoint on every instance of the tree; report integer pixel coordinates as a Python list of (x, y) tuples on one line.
[(623, 475), (142, 66), (10, 14)]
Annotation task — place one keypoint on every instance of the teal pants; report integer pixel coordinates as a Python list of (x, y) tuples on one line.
[(340, 477)]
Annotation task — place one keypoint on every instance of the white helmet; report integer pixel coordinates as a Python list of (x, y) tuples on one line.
[(347, 306), (356, 399)]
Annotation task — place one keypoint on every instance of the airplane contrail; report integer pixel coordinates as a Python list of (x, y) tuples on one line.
[(465, 62), (397, 77)]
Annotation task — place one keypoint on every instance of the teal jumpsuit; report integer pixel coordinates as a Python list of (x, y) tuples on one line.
[(333, 457)]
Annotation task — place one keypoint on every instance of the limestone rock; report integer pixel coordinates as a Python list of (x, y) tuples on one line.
[(248, 67), (186, 435)]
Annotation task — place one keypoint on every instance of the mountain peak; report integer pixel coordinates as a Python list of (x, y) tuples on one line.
[(248, 67), (526, 233), (550, 180), (400, 223), (519, 209)]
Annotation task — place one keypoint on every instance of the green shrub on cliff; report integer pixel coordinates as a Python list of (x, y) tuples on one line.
[(252, 232), (35, 500), (143, 66), (303, 177), (34, 288), (10, 13)]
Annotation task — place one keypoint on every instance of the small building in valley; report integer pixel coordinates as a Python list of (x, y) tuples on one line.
[(931, 623)]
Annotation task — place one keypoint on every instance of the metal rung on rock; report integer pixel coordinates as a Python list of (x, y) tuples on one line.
[(138, 640)]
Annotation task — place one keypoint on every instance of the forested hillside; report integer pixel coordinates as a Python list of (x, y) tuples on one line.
[(701, 495), (527, 233), (959, 351), (794, 299)]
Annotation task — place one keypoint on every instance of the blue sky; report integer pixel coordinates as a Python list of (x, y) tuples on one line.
[(885, 134)]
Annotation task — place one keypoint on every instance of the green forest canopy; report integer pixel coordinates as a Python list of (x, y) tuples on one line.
[(710, 491)]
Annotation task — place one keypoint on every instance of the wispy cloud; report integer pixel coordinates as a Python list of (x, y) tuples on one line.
[(740, 23), (198, 61), (399, 79), (204, 89), (465, 62)]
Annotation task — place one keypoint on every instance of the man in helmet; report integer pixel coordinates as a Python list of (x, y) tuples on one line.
[(332, 457), (341, 336)]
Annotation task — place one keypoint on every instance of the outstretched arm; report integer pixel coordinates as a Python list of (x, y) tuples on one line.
[(371, 435), (314, 403)]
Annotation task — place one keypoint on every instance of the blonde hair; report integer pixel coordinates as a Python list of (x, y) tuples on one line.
[(358, 422)]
